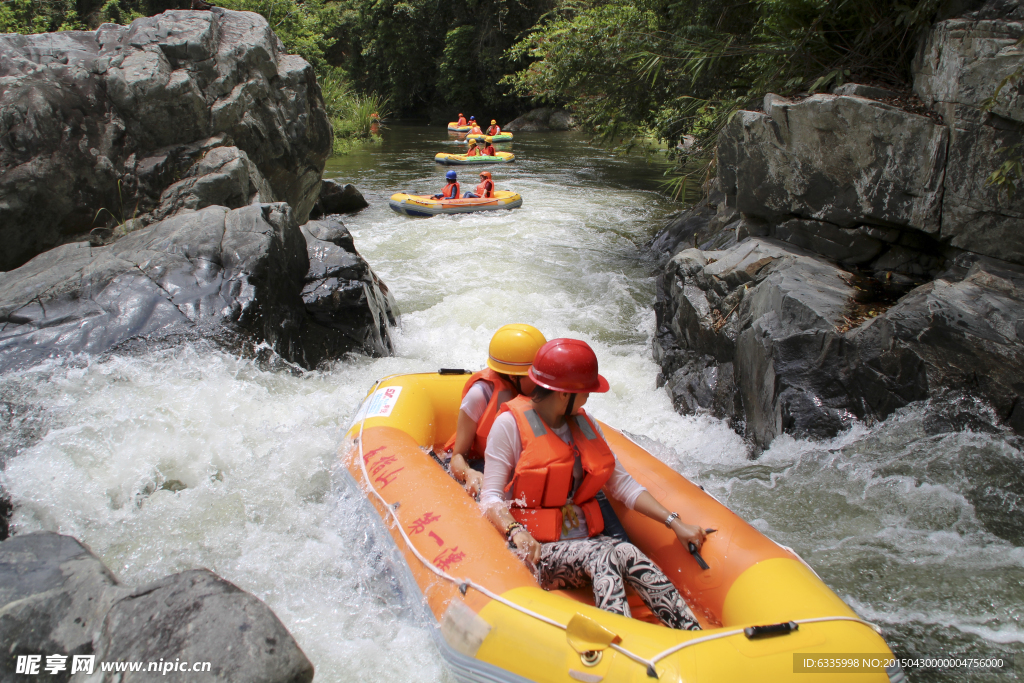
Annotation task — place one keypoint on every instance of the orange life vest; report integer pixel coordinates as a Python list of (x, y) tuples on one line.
[(501, 391), (462, 121), (485, 189), (543, 476), (453, 188), (494, 130), (475, 130), (473, 152)]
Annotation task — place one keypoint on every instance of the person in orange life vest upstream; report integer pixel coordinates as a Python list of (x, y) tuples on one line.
[(544, 463), (489, 150), (451, 189), (473, 150), (494, 128), (485, 189), (475, 129), (462, 120), (509, 355)]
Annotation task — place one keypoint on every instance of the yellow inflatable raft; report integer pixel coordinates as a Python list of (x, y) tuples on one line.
[(426, 205), (766, 614), (476, 160), (454, 127), (500, 137)]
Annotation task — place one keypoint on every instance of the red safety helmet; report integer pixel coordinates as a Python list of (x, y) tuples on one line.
[(567, 365)]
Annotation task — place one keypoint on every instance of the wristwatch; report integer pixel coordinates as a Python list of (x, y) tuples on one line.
[(671, 518)]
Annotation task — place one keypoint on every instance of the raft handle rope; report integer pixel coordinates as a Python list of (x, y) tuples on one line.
[(465, 584)]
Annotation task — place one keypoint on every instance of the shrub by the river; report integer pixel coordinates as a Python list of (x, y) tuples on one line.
[(665, 69)]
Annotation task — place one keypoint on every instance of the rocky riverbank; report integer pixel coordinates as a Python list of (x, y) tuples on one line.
[(155, 185), (850, 258), (64, 613)]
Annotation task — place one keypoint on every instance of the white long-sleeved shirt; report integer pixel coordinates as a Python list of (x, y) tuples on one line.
[(502, 455)]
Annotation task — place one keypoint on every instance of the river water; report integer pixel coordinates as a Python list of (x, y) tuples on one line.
[(191, 457)]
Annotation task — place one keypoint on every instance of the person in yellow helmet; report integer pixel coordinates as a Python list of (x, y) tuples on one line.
[(494, 128), (473, 150), (509, 356)]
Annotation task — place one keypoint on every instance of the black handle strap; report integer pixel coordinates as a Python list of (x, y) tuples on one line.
[(782, 629)]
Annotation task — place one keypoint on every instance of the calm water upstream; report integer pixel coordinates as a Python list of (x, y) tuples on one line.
[(919, 531)]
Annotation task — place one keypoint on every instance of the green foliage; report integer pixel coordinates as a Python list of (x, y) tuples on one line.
[(119, 12), (423, 54), (38, 16), (304, 26), (1009, 174), (636, 69), (1007, 177), (352, 115)]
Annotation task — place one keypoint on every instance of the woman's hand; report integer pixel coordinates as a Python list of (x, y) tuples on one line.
[(474, 482), (526, 543), (689, 533)]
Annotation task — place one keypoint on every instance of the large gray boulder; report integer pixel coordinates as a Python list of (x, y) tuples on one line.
[(54, 594), (109, 119), (57, 598), (844, 160), (338, 197), (958, 69), (779, 340), (542, 119), (235, 276), (744, 335), (199, 617)]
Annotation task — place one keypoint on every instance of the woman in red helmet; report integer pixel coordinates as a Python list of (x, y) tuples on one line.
[(545, 462)]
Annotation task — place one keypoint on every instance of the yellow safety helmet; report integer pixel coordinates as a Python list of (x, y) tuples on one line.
[(472, 143), (513, 347), (493, 122)]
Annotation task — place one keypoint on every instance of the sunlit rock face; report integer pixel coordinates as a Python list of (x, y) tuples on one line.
[(96, 126), (876, 217), (247, 278)]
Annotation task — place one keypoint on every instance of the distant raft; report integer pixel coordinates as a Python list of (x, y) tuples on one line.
[(476, 160), (500, 137), (456, 128), (426, 205)]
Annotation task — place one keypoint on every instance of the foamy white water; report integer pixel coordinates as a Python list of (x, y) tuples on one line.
[(194, 458)]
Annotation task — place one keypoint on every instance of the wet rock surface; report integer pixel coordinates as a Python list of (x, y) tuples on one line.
[(57, 598), (337, 197), (851, 258), (199, 617), (234, 276), (542, 119), (95, 126)]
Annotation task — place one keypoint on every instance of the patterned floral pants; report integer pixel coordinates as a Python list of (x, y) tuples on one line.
[(605, 562)]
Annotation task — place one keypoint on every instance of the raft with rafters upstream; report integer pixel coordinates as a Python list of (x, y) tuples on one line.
[(426, 205), (454, 127), (500, 137), (475, 160), (766, 615)]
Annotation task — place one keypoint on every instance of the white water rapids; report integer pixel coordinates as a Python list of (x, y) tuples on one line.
[(189, 458)]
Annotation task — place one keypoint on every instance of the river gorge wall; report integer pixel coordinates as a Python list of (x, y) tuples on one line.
[(851, 258), (155, 185)]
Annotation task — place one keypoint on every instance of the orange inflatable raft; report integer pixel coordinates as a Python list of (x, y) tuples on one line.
[(766, 615)]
